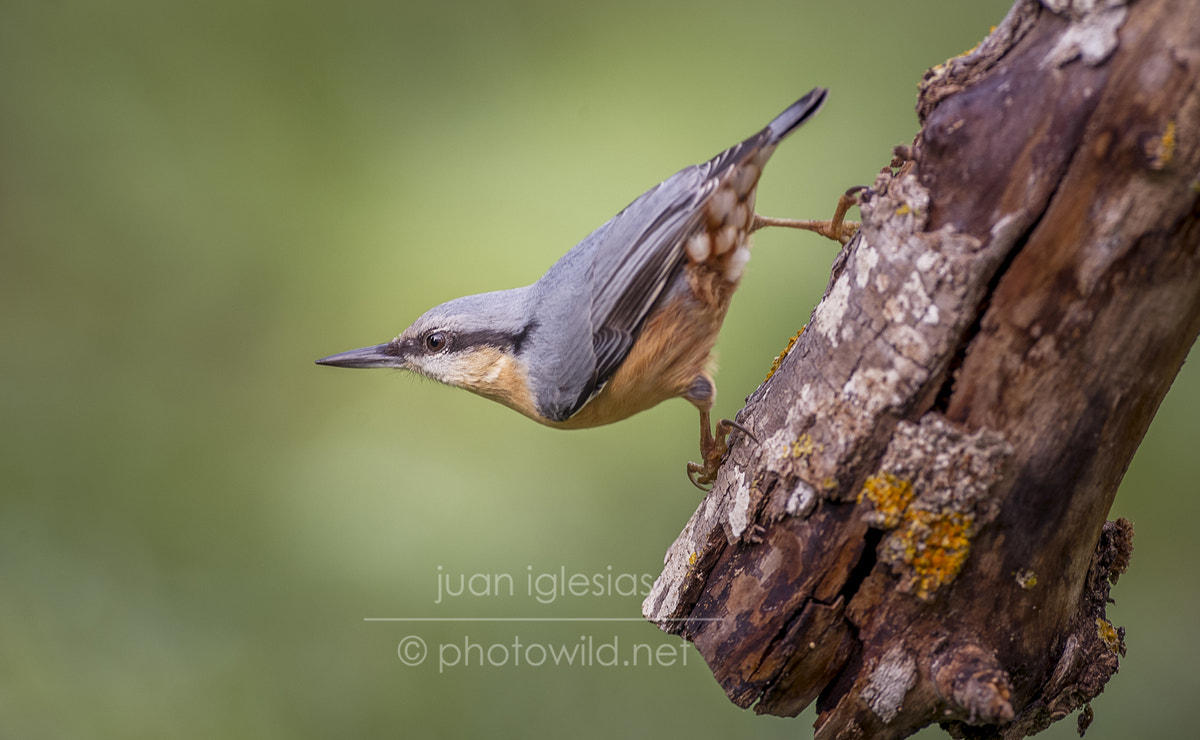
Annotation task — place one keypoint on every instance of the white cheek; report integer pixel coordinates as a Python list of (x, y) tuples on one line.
[(433, 366), (459, 369), (450, 371)]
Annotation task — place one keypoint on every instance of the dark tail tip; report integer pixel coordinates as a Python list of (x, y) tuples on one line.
[(797, 113)]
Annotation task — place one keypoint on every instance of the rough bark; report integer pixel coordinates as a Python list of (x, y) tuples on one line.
[(918, 534)]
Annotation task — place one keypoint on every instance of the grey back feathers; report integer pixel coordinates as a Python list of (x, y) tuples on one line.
[(586, 312), (596, 298)]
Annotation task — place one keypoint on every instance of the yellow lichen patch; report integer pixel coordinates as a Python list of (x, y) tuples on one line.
[(935, 545), (830, 483), (890, 496), (692, 559), (903, 209), (803, 446), (1026, 578), (779, 358), (1160, 151), (1168, 144), (1108, 633)]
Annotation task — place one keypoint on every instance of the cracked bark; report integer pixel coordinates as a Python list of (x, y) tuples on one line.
[(919, 535)]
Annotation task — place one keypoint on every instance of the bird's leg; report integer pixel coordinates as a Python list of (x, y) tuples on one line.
[(712, 449), (836, 228), (712, 446), (703, 393)]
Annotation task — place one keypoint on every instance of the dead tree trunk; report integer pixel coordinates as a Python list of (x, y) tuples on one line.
[(919, 533)]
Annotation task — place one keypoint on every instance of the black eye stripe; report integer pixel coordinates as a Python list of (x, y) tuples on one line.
[(438, 341)]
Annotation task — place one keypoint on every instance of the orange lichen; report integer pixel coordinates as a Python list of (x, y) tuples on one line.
[(890, 495), (1160, 150), (1026, 578), (935, 544), (1108, 633), (779, 358), (932, 490), (1168, 144)]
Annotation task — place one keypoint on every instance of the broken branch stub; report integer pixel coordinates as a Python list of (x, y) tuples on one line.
[(919, 536)]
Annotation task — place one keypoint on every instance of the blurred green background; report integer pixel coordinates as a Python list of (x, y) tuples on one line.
[(199, 199)]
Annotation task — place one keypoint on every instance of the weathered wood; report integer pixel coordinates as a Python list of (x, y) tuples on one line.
[(919, 535)]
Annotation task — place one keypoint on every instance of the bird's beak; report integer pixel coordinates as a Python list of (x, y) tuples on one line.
[(381, 355)]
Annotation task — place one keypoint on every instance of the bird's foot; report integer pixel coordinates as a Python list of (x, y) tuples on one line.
[(712, 449), (837, 228)]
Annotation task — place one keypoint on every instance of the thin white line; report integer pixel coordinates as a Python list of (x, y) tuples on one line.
[(537, 619)]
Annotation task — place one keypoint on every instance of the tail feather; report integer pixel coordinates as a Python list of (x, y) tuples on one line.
[(797, 113)]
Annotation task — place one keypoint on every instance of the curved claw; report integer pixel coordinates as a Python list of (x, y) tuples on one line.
[(692, 469), (714, 447), (704, 475), (724, 425)]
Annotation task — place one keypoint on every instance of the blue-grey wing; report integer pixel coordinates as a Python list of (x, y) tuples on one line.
[(624, 266), (649, 238)]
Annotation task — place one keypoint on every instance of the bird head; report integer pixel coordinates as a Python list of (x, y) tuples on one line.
[(474, 343)]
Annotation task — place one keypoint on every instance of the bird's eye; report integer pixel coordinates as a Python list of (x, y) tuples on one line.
[(436, 341)]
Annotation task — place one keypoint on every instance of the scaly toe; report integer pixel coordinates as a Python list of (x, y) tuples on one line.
[(703, 475), (692, 470)]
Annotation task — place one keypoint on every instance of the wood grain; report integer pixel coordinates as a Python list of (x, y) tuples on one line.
[(919, 535)]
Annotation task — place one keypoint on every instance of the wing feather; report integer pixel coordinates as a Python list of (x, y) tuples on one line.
[(652, 232), (625, 265)]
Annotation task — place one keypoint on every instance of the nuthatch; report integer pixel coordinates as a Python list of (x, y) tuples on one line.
[(627, 318)]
